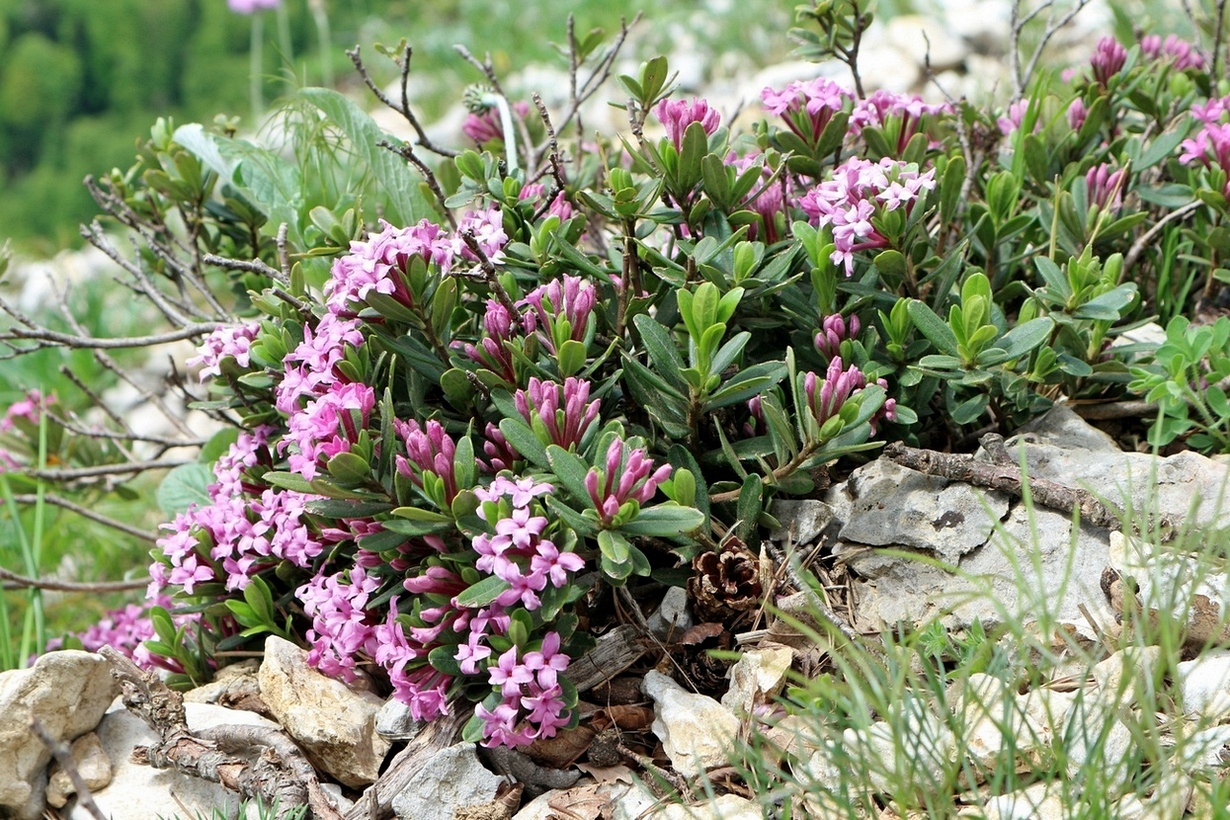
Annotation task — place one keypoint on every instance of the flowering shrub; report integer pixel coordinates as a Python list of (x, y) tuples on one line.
[(533, 381)]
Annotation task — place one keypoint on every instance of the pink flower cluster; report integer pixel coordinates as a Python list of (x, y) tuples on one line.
[(379, 263), (252, 6), (906, 111), (767, 199), (1105, 185), (492, 351), (558, 412), (531, 703), (341, 624), (124, 629), (244, 529), (226, 340), (486, 126), (1211, 145), (310, 369), (559, 205), (677, 115), (1108, 59), (806, 107), (518, 553), (629, 475), (856, 192), (328, 425), (825, 396), (29, 408)]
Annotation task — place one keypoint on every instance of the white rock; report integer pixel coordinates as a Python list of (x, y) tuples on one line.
[(91, 763), (395, 722), (996, 722), (452, 779), (1122, 673), (335, 725), (630, 802), (697, 733), (68, 692), (139, 792), (756, 678), (1037, 802), (671, 619), (1097, 743), (726, 807), (1204, 685), (1203, 749), (915, 749)]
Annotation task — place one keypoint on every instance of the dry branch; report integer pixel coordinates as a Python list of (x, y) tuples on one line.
[(1005, 478), (252, 761)]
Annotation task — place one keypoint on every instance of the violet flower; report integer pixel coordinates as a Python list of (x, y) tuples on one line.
[(677, 115)]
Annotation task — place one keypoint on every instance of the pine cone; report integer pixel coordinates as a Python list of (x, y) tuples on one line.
[(726, 582)]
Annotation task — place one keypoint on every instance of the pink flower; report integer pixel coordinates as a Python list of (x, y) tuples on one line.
[(252, 6), (1077, 114), (677, 115), (807, 107), (225, 341)]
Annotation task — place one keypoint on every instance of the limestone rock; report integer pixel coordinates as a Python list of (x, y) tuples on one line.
[(1040, 801), (802, 520), (139, 792), (68, 692), (894, 506), (90, 761), (335, 725), (756, 678), (726, 807), (916, 748), (671, 619), (1204, 685), (697, 733), (395, 722), (452, 779)]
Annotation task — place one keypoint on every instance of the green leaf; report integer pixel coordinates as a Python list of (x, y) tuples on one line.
[(1025, 337), (523, 440), (1109, 306), (751, 504), (339, 508), (406, 201), (571, 358), (933, 328), (571, 471), (349, 469), (482, 593), (583, 526), (185, 485), (420, 514), (664, 521), (661, 348)]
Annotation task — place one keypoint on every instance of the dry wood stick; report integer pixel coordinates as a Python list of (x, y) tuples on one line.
[(1006, 478)]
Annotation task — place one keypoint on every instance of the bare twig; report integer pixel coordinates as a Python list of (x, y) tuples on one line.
[(257, 266), (15, 581), (1021, 75), (74, 473), (490, 274), (1142, 242), (86, 512), (60, 751), (404, 108), (54, 338), (406, 151)]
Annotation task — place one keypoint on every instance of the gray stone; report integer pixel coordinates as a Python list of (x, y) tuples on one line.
[(915, 748), (671, 619), (394, 721), (91, 763), (335, 725), (802, 520), (140, 792), (1097, 740), (68, 692), (697, 732), (894, 506), (452, 779), (1041, 801)]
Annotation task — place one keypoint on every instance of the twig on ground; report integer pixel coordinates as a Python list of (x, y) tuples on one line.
[(1005, 478), (377, 802), (60, 751)]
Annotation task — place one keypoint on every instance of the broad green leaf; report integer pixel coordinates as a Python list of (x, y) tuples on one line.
[(935, 329), (184, 486), (482, 593), (664, 521)]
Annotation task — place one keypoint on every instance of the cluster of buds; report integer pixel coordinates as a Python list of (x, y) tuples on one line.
[(677, 115), (429, 459), (1183, 54), (558, 413), (630, 476), (562, 309), (834, 330), (904, 112), (1108, 60), (826, 397), (1105, 186)]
